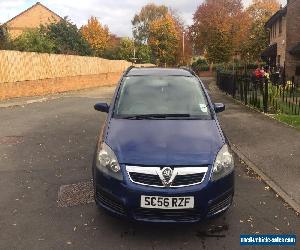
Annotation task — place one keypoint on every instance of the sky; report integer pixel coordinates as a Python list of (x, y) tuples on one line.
[(117, 14)]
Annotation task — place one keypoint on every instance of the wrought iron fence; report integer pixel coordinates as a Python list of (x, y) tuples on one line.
[(263, 94)]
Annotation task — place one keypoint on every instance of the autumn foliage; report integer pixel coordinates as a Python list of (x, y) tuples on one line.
[(259, 12), (163, 39), (221, 31), (161, 30), (96, 35), (222, 28)]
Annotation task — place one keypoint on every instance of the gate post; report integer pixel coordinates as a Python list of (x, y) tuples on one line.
[(266, 95), (233, 86)]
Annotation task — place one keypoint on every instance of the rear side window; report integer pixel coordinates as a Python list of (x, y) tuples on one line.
[(142, 95)]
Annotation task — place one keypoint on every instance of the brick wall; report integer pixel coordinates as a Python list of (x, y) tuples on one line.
[(56, 85), (293, 35), (280, 39), (31, 74), (18, 66)]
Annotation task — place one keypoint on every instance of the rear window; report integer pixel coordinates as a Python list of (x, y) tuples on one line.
[(142, 95)]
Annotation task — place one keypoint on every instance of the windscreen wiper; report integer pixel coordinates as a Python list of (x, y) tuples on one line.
[(155, 116)]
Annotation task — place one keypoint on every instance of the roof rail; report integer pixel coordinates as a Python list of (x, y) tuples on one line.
[(128, 69), (189, 70)]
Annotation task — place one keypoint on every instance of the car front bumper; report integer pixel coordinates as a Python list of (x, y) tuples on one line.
[(122, 198)]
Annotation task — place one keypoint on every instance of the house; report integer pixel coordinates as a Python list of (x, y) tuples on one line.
[(284, 37), (31, 18)]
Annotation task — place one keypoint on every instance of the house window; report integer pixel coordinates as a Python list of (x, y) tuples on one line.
[(297, 70), (278, 59), (280, 25), (272, 33)]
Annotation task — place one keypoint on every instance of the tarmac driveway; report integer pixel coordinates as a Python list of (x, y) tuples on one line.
[(46, 147)]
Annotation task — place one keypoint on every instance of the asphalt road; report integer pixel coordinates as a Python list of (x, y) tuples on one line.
[(45, 146)]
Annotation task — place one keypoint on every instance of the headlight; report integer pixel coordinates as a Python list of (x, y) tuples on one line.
[(223, 165), (107, 162)]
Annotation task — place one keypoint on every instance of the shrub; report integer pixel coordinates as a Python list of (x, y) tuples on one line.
[(34, 41), (200, 65)]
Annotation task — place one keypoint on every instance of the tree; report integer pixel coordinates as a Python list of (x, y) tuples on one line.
[(219, 29), (5, 42), (34, 41), (125, 51), (220, 47), (111, 51), (146, 27), (164, 39), (67, 38), (182, 57), (96, 35), (143, 53), (142, 21), (259, 12)]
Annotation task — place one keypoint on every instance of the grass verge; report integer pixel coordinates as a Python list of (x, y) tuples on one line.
[(293, 120)]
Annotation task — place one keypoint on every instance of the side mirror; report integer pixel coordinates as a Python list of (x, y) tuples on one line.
[(103, 107), (219, 107)]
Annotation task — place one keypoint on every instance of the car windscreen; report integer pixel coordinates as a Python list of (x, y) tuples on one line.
[(161, 97)]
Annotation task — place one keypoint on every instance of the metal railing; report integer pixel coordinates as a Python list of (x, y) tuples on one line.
[(262, 93)]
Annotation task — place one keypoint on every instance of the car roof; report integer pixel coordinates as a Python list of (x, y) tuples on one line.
[(158, 72)]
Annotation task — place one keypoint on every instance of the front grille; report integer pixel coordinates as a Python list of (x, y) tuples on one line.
[(219, 205), (187, 215), (181, 180), (147, 179), (108, 201), (179, 177)]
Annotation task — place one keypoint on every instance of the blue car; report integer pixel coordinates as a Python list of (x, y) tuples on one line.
[(162, 155)]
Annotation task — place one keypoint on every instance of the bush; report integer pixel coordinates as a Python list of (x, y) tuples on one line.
[(241, 67), (5, 42), (60, 38), (200, 65), (67, 38), (34, 41)]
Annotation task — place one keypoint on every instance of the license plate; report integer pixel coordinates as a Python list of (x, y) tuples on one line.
[(161, 202)]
